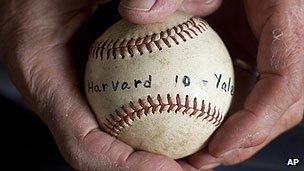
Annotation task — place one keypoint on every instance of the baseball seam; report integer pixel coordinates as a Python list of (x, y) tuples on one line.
[(121, 48), (126, 115)]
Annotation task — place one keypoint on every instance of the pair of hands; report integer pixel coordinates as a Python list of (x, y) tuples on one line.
[(35, 46)]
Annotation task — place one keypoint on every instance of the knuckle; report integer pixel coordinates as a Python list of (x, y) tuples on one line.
[(89, 154), (286, 52), (159, 163), (294, 118), (295, 86), (40, 85), (162, 164), (76, 160), (286, 23), (256, 139)]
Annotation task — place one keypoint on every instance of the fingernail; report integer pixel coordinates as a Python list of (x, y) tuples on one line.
[(209, 166), (208, 1), (204, 1), (228, 153), (141, 5)]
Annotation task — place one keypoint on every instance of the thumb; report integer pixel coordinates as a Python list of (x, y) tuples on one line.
[(147, 11)]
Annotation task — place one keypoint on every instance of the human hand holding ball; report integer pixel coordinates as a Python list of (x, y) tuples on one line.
[(39, 58), (190, 84)]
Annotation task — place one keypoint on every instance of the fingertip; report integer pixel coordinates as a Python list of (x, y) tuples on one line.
[(200, 8), (188, 167), (143, 14), (241, 130), (141, 160), (203, 159)]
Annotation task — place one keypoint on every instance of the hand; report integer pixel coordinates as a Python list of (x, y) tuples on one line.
[(35, 42), (276, 101), (39, 58)]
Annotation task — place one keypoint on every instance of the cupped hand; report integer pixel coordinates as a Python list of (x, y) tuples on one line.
[(35, 37), (35, 42), (269, 36)]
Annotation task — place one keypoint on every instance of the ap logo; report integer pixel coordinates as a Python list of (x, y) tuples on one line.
[(293, 162)]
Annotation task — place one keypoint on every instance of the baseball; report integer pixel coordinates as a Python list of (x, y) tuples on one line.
[(164, 87)]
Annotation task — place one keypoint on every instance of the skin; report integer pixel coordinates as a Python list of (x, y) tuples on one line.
[(35, 47)]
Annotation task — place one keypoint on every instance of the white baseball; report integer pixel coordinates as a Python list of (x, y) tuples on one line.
[(162, 88)]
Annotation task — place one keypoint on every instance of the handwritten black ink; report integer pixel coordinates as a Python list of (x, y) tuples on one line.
[(97, 89), (118, 85), (218, 80), (90, 87), (104, 86), (148, 82), (232, 90), (186, 81), (205, 82), (115, 85), (224, 85), (137, 82), (125, 85)]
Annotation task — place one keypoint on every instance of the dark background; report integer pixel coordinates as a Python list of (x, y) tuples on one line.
[(28, 145)]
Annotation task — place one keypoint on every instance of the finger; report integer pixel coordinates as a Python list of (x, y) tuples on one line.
[(187, 167), (290, 119), (151, 162), (246, 81), (147, 11), (85, 146), (99, 151), (56, 97), (200, 7), (108, 153), (42, 69), (279, 87), (203, 159)]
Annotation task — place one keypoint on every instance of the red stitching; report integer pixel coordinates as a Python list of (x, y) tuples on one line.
[(125, 115), (120, 48)]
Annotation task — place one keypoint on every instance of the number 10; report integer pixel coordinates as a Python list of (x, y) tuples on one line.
[(185, 80)]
